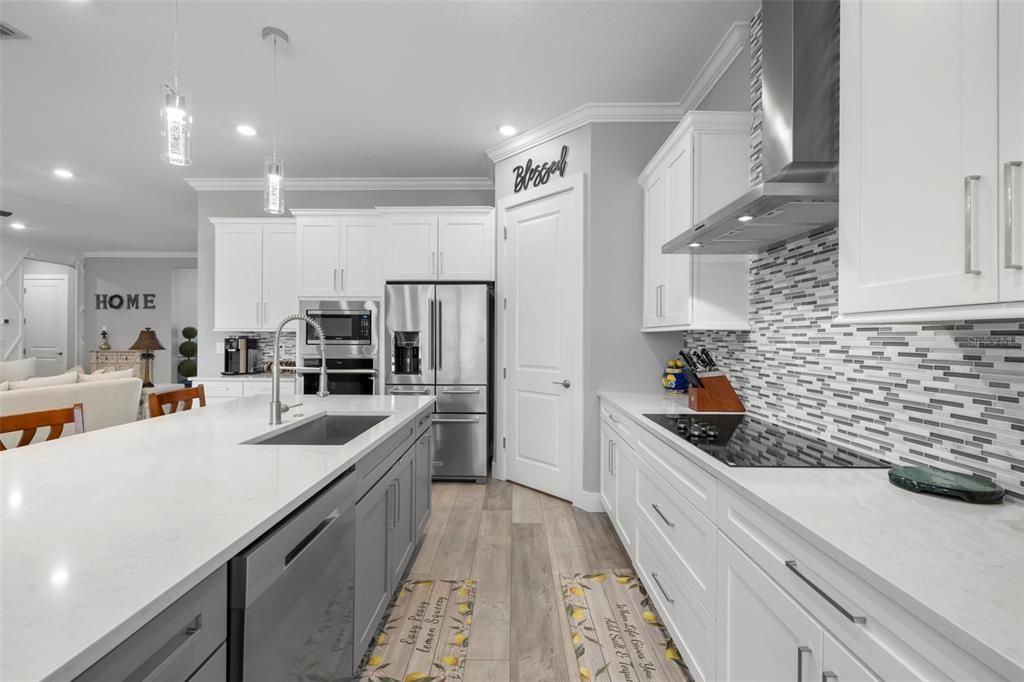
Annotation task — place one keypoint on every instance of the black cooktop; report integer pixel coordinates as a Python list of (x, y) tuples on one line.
[(739, 440)]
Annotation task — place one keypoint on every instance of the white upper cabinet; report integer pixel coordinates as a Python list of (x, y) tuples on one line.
[(700, 168), (254, 273), (443, 244), (931, 113), (465, 246), (411, 246), (1011, 150), (339, 254)]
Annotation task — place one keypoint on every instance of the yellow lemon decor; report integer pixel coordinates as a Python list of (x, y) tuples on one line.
[(425, 635), (616, 632)]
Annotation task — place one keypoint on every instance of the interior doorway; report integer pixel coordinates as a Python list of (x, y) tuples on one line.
[(48, 301)]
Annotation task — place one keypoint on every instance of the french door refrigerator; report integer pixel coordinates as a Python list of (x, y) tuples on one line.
[(438, 340)]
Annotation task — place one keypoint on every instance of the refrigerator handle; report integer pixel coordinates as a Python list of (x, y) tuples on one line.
[(440, 329), (430, 303)]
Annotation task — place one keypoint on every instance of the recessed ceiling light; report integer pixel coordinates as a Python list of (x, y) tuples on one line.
[(694, 245), (745, 218), (17, 226), (63, 173), (245, 129), (507, 130)]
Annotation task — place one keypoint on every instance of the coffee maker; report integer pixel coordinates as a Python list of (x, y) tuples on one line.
[(241, 355)]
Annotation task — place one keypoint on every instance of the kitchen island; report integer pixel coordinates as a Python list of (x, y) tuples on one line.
[(898, 585), (103, 531)]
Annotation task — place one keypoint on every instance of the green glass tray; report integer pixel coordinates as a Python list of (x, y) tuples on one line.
[(950, 483)]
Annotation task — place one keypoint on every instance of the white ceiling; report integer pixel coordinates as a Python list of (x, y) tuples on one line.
[(367, 89)]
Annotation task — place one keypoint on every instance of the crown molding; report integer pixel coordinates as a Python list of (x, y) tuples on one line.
[(342, 184), (140, 254), (623, 112), (725, 53)]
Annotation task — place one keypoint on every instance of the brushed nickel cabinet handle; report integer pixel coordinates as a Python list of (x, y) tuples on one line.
[(800, 652), (663, 517), (971, 183), (1011, 195), (860, 620), (829, 676), (669, 599)]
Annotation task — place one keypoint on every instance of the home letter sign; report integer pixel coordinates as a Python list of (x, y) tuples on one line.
[(125, 302), (535, 176)]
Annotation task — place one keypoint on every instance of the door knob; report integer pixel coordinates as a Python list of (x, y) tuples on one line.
[(564, 383)]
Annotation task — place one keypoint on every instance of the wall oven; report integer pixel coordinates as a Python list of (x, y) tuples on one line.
[(350, 328), (345, 376)]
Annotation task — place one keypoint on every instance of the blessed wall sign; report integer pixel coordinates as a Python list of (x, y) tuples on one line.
[(529, 175), (125, 301)]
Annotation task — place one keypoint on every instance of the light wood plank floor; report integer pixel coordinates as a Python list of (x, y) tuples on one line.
[(515, 542)]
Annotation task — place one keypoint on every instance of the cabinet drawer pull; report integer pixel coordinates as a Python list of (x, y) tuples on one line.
[(662, 515), (970, 223), (860, 620), (800, 651), (1011, 195), (669, 599), (829, 676), (174, 648)]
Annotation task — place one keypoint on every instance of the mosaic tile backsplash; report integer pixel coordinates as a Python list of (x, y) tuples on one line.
[(949, 395)]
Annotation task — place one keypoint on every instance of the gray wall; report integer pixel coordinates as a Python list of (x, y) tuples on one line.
[(250, 205), (133, 275), (732, 91)]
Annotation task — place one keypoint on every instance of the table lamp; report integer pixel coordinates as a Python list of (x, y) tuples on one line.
[(147, 343)]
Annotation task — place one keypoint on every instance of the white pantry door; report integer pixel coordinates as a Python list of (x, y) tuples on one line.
[(46, 322), (543, 340)]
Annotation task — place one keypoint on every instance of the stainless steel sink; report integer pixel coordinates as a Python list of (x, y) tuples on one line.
[(336, 429)]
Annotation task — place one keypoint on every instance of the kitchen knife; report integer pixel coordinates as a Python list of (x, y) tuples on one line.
[(710, 360), (688, 359)]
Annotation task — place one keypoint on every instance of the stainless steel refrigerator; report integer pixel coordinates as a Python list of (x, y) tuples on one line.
[(438, 340)]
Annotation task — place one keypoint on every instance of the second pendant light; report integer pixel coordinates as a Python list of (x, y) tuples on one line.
[(273, 166)]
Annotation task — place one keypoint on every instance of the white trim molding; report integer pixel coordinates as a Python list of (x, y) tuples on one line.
[(141, 254), (343, 184), (725, 53)]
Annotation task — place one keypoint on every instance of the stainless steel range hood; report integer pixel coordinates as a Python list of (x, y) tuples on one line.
[(800, 95)]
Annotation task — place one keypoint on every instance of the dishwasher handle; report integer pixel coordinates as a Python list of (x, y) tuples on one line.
[(260, 565)]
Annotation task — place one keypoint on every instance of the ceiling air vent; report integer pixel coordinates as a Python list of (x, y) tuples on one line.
[(8, 32)]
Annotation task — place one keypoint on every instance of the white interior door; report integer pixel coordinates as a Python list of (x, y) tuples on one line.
[(46, 322), (542, 282)]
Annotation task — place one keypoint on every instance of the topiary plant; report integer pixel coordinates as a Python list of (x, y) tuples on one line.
[(188, 350)]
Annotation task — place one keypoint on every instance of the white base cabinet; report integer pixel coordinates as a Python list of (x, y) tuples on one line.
[(701, 167), (743, 597)]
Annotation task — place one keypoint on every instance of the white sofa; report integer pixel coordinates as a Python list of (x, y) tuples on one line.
[(104, 403)]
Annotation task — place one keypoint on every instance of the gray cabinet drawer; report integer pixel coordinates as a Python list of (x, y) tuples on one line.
[(174, 644), (216, 667)]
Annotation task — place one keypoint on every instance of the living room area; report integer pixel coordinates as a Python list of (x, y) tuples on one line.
[(95, 330)]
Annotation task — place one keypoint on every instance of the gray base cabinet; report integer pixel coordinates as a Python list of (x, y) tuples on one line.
[(389, 524), (185, 639)]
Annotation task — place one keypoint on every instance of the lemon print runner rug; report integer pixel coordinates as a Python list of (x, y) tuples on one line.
[(426, 635), (616, 632)]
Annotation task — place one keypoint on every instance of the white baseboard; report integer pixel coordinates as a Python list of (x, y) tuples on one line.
[(587, 501)]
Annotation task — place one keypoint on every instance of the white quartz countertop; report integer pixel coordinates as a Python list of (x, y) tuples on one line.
[(99, 532), (957, 566), (262, 376)]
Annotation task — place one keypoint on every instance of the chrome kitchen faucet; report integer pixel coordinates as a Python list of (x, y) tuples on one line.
[(276, 408)]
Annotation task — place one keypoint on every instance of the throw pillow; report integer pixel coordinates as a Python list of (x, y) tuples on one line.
[(3, 385), (17, 370), (39, 382), (107, 375)]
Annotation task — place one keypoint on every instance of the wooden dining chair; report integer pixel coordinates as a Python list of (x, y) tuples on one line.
[(30, 422), (183, 396)]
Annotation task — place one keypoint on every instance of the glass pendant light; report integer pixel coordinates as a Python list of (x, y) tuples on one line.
[(176, 115), (273, 166)]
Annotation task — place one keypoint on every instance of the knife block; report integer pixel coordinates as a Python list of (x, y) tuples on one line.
[(718, 395)]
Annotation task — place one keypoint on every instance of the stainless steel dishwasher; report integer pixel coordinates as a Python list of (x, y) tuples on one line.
[(292, 592)]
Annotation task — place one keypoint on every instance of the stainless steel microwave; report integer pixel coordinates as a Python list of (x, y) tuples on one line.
[(350, 327)]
